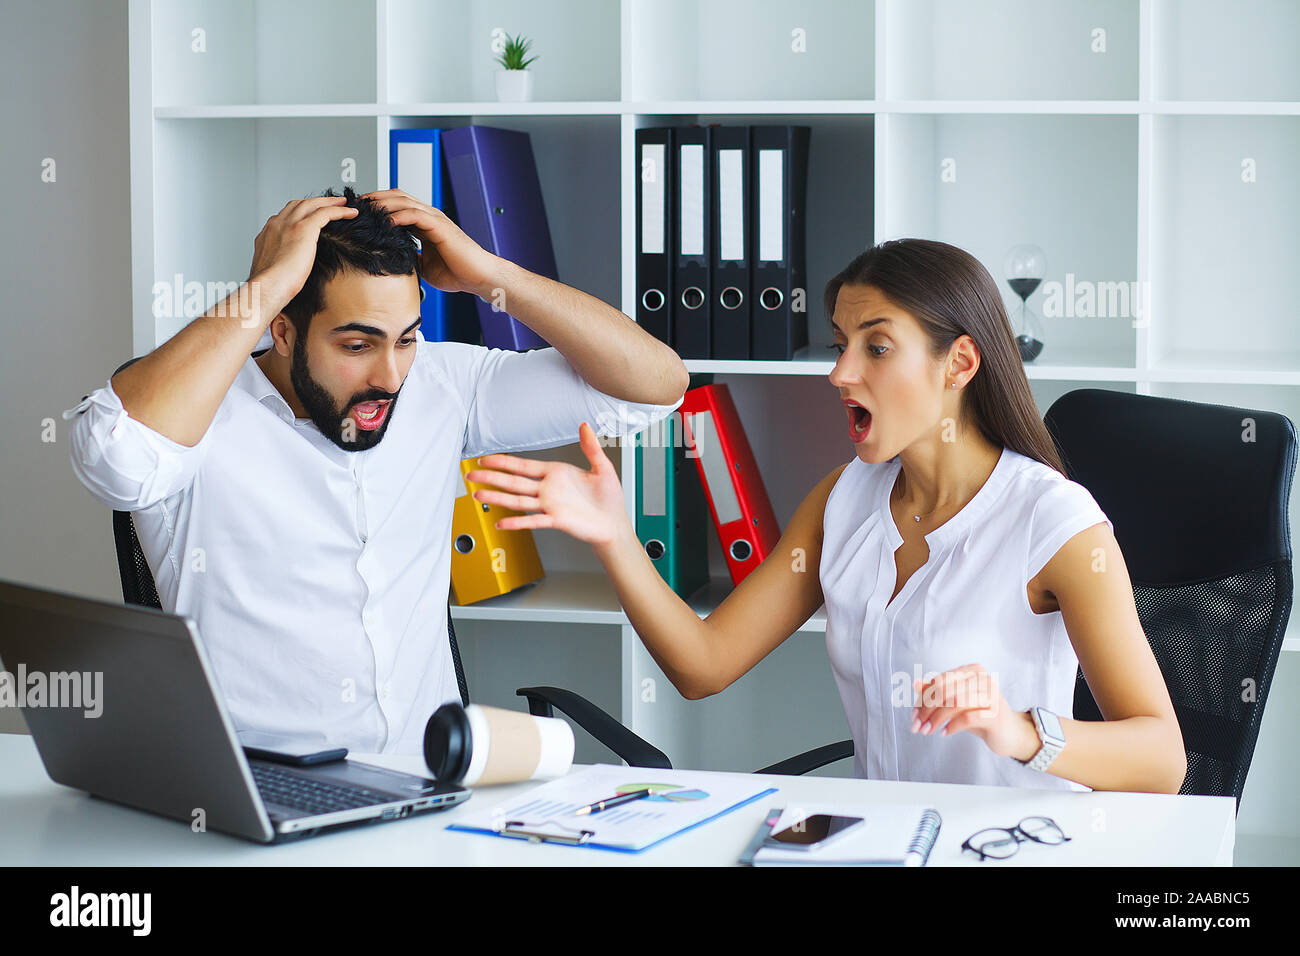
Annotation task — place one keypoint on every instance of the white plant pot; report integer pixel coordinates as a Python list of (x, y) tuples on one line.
[(514, 86)]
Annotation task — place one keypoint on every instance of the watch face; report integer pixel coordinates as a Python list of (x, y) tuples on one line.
[(1051, 725)]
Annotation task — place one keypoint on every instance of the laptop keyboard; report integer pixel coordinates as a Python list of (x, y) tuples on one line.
[(288, 789)]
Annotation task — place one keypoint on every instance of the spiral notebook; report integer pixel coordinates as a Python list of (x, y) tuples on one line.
[(893, 834)]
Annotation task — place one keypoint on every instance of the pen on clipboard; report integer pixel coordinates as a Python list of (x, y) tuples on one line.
[(617, 801)]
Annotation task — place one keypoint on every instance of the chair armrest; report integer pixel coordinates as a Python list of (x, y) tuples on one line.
[(812, 759), (625, 744)]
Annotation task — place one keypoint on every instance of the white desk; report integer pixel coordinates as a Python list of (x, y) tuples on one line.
[(43, 823)]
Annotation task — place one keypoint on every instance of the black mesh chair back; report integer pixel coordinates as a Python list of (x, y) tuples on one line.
[(137, 578), (138, 585), (455, 659), (1198, 495)]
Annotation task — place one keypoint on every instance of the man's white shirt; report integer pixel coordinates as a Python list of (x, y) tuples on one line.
[(319, 577)]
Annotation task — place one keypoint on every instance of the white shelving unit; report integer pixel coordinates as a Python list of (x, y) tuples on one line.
[(1147, 142)]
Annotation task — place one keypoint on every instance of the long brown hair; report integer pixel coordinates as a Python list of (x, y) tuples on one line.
[(950, 294)]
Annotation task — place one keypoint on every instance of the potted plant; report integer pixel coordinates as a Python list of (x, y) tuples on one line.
[(514, 82)]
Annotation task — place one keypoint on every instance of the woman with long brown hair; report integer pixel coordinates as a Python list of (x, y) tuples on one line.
[(965, 577)]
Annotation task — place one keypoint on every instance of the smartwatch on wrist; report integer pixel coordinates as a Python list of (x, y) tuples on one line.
[(1050, 734)]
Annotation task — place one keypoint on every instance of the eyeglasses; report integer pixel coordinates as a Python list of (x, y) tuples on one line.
[(998, 843)]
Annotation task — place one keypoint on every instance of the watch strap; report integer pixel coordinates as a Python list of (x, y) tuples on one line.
[(1049, 748)]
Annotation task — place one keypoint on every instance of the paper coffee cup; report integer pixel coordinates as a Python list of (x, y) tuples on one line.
[(486, 745)]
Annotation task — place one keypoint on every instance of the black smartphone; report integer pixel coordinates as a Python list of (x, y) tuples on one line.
[(259, 746), (812, 832)]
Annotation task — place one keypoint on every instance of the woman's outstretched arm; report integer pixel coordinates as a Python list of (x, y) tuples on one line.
[(700, 656)]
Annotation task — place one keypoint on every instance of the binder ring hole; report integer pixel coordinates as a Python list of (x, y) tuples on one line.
[(741, 550), (653, 300), (692, 297), (771, 298), (464, 543), (731, 297), (655, 548)]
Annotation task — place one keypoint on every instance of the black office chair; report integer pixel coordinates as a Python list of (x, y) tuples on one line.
[(1198, 494), (138, 588)]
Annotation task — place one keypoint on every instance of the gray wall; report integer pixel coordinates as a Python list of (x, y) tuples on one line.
[(65, 258)]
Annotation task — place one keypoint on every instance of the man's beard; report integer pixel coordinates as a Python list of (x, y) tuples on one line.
[(336, 425)]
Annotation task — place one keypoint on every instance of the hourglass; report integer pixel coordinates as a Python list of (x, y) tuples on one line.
[(1026, 265)]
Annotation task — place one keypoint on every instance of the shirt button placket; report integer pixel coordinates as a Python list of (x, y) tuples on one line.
[(370, 623), (370, 612), (878, 758), (888, 717), (360, 502)]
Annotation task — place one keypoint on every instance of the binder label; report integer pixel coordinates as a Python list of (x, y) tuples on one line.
[(415, 163), (653, 200), (654, 480), (716, 470), (731, 204), (771, 176), (692, 190)]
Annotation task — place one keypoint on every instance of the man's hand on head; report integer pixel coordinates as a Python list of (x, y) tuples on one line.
[(285, 250), (449, 260)]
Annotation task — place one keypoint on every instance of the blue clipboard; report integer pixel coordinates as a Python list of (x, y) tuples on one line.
[(522, 833)]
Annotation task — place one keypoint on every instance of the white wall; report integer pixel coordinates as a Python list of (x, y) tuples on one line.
[(65, 307)]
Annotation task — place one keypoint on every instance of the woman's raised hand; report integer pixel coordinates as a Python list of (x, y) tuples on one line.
[(553, 494)]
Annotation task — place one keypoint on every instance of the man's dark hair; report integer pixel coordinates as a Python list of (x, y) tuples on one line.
[(369, 242)]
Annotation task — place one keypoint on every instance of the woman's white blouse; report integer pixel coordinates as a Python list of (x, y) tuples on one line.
[(966, 604)]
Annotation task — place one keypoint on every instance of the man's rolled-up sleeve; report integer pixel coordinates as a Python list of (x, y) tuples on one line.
[(522, 401), (123, 463)]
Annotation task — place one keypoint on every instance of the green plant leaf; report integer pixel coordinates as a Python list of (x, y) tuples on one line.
[(512, 57)]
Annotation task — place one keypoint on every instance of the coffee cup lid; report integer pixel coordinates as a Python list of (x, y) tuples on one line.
[(448, 743)]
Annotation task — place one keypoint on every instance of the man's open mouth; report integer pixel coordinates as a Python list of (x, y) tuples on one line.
[(370, 415)]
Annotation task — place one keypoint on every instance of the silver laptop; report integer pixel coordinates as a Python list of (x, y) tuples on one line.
[(121, 703)]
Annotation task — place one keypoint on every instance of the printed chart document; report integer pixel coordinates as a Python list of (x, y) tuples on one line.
[(679, 801)]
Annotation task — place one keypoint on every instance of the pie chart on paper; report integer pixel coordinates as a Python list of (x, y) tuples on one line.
[(664, 792)]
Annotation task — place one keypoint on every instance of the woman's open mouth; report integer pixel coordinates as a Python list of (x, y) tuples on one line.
[(370, 415), (859, 422)]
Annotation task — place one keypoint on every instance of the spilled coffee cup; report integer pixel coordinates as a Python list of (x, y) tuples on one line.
[(486, 745)]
